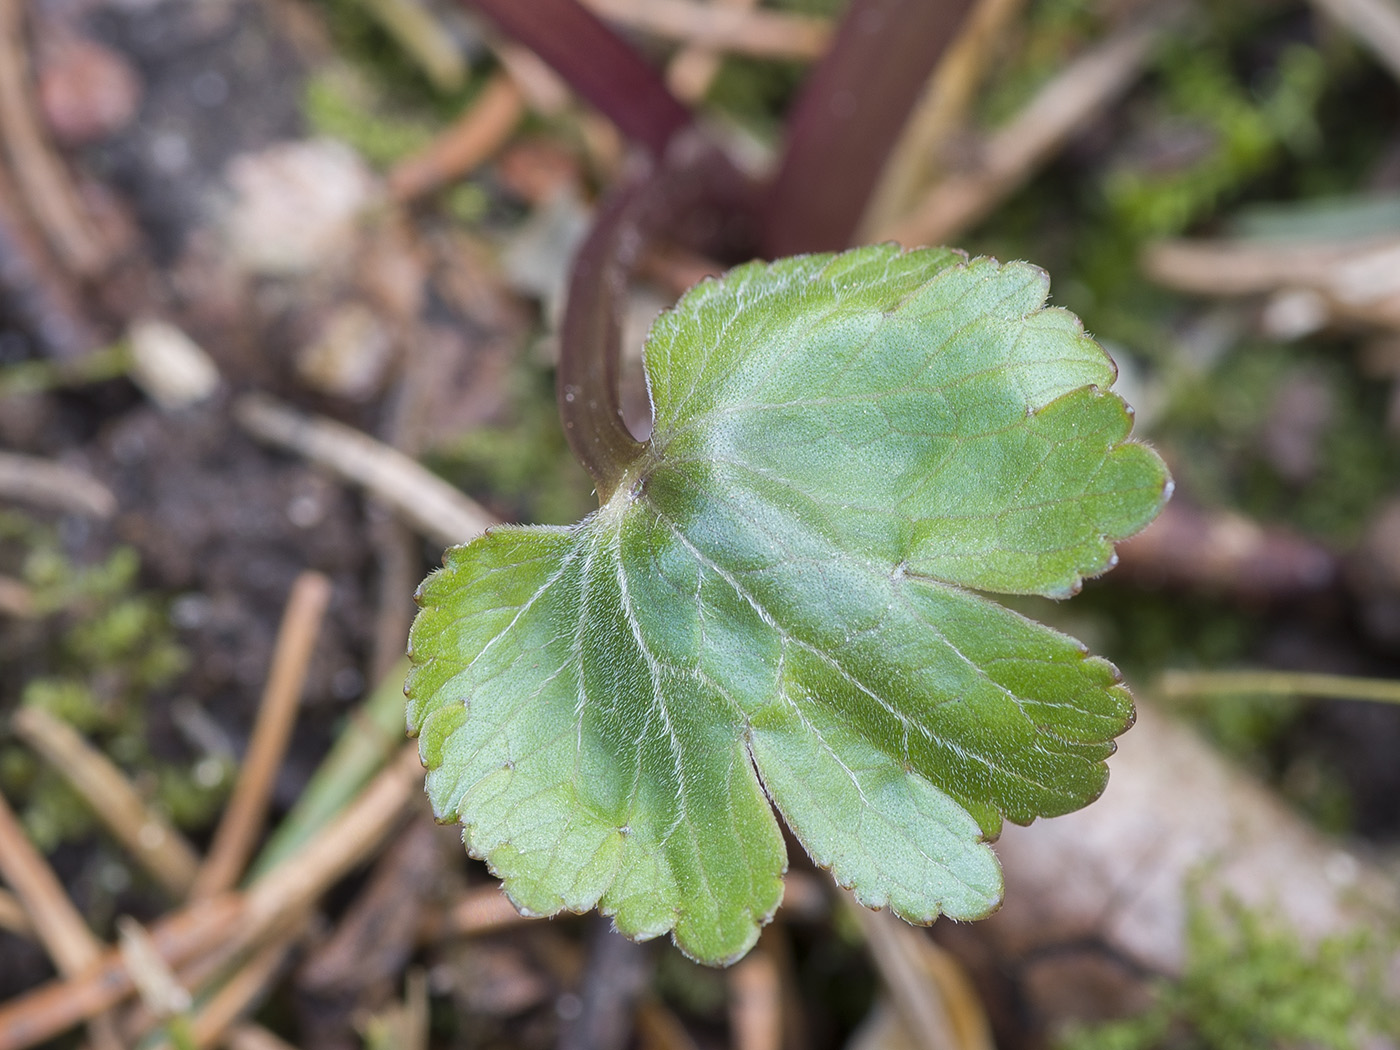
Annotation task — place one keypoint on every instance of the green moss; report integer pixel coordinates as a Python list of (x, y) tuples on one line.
[(1250, 982), (338, 104), (1249, 129), (102, 649), (1054, 31), (1215, 431)]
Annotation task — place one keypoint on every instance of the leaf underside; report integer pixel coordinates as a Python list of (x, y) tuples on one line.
[(778, 608)]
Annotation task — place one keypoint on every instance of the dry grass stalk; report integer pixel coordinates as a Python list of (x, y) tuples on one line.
[(13, 917), (233, 923), (253, 1037), (1374, 23), (932, 997), (243, 818), (51, 914), (50, 1009), (733, 29), (44, 181), (1011, 155), (481, 910), (471, 140), (424, 500), (49, 484), (151, 839), (543, 89), (16, 599), (694, 67), (161, 992), (942, 112), (417, 29), (1349, 280), (239, 994), (755, 1003)]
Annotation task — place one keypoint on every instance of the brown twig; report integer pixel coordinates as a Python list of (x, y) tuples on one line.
[(894, 953), (376, 937), (247, 807), (289, 889), (734, 29), (424, 500), (253, 1037), (470, 141), (16, 598), (44, 180), (613, 982), (1374, 23), (398, 557), (231, 924), (44, 1012), (694, 67), (806, 897), (660, 1029), (55, 921), (240, 993), (152, 840), (755, 1003), (1247, 267), (13, 917), (481, 910), (33, 287), (1011, 155), (1217, 552), (49, 484)]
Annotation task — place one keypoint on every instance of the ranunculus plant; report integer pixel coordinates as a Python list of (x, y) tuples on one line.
[(779, 606)]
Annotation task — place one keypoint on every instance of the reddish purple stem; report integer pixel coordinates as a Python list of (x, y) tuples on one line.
[(849, 116), (597, 63)]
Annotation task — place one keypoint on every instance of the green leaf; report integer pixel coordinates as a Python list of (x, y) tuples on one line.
[(777, 606)]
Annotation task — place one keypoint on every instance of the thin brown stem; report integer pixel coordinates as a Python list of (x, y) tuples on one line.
[(43, 1013), (151, 839), (52, 198), (1282, 684), (247, 808)]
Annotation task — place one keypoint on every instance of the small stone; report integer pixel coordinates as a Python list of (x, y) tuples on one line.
[(295, 206), (87, 92), (169, 366), (351, 355)]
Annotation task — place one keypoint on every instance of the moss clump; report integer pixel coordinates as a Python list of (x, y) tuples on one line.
[(1250, 982), (1248, 130), (95, 651), (341, 105)]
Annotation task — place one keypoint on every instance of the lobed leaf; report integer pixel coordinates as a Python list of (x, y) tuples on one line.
[(777, 605)]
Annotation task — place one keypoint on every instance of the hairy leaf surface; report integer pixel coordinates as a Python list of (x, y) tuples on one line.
[(779, 608)]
